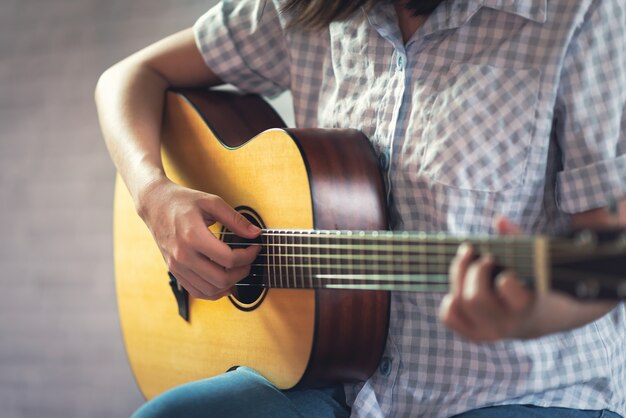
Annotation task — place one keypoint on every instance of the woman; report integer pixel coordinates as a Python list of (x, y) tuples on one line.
[(489, 116)]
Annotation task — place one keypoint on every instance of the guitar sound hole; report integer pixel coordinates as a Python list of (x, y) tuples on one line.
[(248, 294)]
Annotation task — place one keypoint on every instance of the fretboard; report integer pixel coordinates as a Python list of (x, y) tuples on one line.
[(377, 260)]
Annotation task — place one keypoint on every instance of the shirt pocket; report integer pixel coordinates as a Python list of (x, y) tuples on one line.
[(481, 127)]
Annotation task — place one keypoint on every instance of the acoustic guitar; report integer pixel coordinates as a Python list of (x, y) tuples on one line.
[(315, 307)]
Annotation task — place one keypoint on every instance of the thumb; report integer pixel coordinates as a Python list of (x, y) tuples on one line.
[(505, 227), (223, 213)]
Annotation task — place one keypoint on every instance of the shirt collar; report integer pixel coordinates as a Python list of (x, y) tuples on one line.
[(454, 13)]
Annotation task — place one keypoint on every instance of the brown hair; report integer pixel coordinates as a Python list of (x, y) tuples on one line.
[(316, 14)]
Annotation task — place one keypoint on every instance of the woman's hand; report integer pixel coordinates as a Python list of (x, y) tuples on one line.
[(481, 309), (178, 219)]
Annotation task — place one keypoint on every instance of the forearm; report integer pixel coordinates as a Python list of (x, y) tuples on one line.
[(129, 99)]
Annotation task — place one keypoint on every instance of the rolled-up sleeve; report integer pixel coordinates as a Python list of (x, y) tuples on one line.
[(591, 111), (243, 42)]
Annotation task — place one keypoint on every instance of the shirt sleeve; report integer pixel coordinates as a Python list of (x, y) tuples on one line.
[(243, 42), (591, 113)]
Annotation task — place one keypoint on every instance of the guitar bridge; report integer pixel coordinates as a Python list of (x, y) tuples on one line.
[(181, 295)]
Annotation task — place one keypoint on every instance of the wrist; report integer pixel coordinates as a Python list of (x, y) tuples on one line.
[(146, 190), (554, 312)]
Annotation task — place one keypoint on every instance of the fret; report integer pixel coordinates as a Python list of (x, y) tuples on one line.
[(405, 254), (303, 259), (422, 254), (365, 258), (510, 255), (290, 250), (350, 253), (376, 253), (325, 251), (312, 259), (266, 241), (297, 260), (275, 243), (274, 260), (309, 259), (440, 258), (280, 249)]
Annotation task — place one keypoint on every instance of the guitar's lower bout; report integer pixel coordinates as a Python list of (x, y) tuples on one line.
[(292, 337)]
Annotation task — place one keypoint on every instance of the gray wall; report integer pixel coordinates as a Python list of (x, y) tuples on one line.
[(61, 352)]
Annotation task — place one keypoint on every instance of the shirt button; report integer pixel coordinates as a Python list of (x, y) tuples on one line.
[(383, 160), (400, 62), (385, 366)]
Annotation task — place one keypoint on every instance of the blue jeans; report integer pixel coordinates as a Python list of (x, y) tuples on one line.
[(243, 393)]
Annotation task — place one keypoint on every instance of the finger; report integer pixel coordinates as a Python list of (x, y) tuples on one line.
[(207, 290), (221, 253), (183, 281), (220, 211), (505, 227), (459, 266), (218, 276), (479, 302), (450, 314), (515, 296), (220, 295)]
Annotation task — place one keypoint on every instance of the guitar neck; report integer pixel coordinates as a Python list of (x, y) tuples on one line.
[(587, 266), (384, 260)]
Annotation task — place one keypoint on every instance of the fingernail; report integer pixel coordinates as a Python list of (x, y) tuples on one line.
[(253, 228), (463, 249)]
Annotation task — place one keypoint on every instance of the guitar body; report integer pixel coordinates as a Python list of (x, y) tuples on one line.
[(283, 178)]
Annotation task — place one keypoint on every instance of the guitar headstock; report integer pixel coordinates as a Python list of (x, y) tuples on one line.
[(590, 264)]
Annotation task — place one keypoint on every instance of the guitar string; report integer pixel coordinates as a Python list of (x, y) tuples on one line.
[(390, 250), (438, 248), (380, 286), (518, 250), (557, 245), (429, 269), (426, 265), (380, 235), (401, 238), (432, 288), (389, 254), (383, 277)]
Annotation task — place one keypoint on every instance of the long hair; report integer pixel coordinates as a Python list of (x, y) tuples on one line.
[(316, 14)]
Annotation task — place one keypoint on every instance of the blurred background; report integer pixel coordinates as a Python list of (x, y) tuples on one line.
[(61, 349)]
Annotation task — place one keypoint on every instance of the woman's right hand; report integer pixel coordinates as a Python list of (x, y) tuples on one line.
[(178, 219)]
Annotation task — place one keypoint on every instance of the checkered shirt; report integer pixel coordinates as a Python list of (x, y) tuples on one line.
[(493, 107)]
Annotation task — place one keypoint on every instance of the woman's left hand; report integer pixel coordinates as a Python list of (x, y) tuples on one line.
[(480, 308)]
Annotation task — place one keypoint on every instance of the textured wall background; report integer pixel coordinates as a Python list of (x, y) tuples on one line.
[(61, 353)]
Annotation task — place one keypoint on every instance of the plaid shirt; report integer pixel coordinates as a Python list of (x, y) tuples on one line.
[(493, 107)]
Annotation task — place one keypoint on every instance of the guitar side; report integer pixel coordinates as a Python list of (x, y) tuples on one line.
[(293, 337)]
